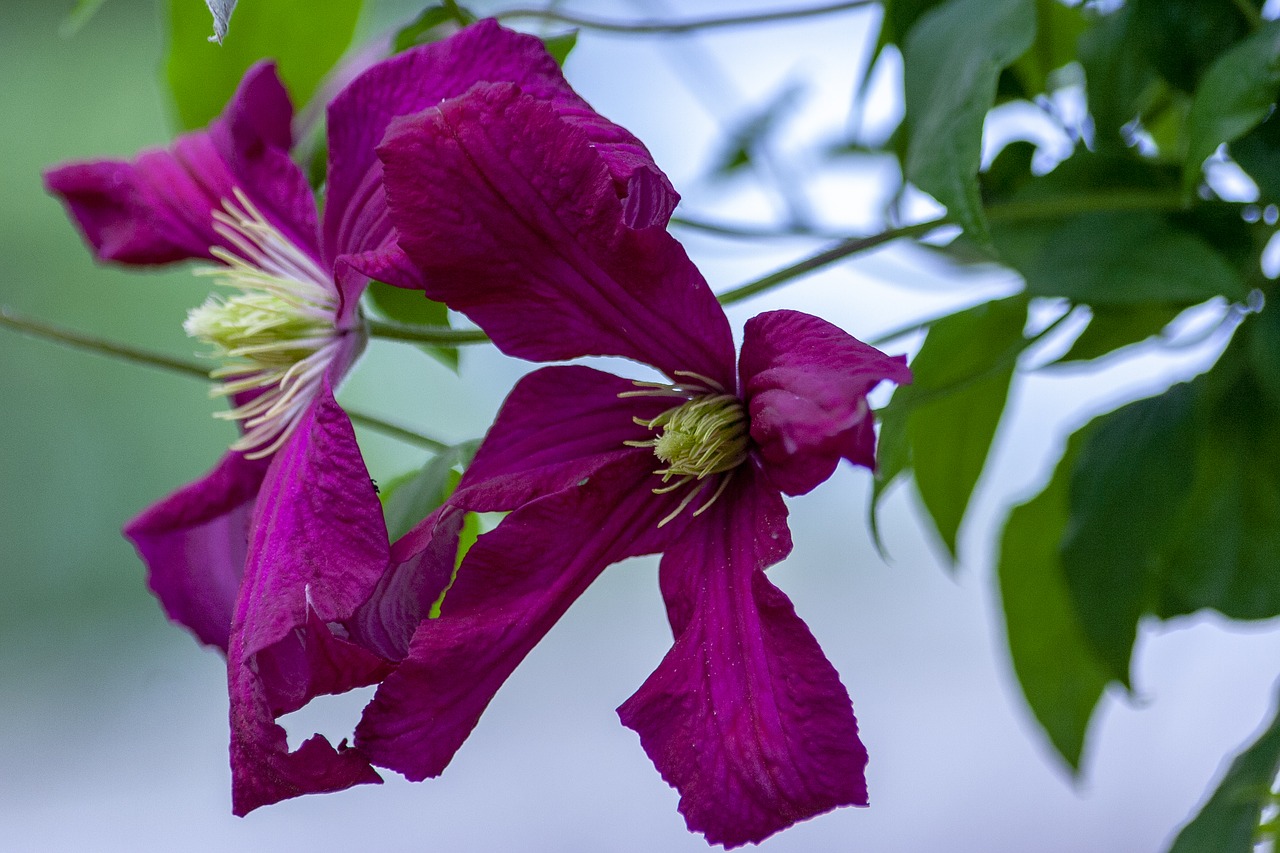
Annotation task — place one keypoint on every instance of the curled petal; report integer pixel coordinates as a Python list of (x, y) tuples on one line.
[(194, 544), (514, 584), (424, 76), (511, 214), (745, 717), (317, 547), (158, 207), (806, 383)]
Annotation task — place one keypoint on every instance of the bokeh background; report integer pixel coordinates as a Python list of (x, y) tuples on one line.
[(113, 726)]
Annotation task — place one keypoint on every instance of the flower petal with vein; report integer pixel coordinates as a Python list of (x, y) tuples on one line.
[(510, 212)]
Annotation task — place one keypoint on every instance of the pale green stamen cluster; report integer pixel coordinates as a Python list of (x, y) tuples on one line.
[(277, 336), (706, 435)]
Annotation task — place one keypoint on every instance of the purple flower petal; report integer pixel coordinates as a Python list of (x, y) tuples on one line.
[(157, 208), (557, 428), (510, 212), (514, 584), (194, 544), (745, 717), (806, 382), (423, 77), (317, 547)]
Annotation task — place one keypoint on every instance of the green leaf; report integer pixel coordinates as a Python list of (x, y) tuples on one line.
[(746, 136), (1225, 543), (1263, 341), (1120, 257), (1117, 74), (1058, 28), (1060, 676), (1237, 93), (561, 45), (304, 40), (952, 60), (943, 423), (1228, 822), (410, 306), (1181, 38), (411, 498), (1130, 479), (1258, 153), (429, 26), (1114, 327)]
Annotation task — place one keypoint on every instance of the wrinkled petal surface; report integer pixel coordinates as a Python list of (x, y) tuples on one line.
[(510, 212), (745, 717), (805, 382), (317, 547), (158, 207), (424, 76), (194, 544), (514, 584)]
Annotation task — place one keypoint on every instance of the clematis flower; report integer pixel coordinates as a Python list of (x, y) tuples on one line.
[(270, 553), (508, 210)]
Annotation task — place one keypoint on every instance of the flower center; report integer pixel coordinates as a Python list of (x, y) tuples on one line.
[(706, 435), (276, 337)]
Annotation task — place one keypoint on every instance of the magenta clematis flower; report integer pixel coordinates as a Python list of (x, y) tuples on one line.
[(269, 554), (509, 211)]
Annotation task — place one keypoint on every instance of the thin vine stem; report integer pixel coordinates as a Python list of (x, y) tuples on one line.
[(838, 252), (438, 335), (654, 27), (92, 343)]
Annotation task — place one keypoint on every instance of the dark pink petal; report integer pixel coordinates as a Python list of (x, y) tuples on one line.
[(317, 547), (423, 77), (557, 428), (745, 717), (806, 382), (194, 544), (510, 212), (157, 208), (514, 584)]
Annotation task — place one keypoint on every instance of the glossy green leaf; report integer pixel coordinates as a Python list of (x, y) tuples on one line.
[(1130, 479), (1113, 327), (1060, 676), (304, 40), (1237, 92), (411, 306), (411, 498), (943, 423), (1119, 258), (1228, 822), (952, 60)]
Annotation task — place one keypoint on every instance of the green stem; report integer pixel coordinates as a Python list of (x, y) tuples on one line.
[(752, 232), (92, 343), (838, 252), (655, 27), (436, 335)]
